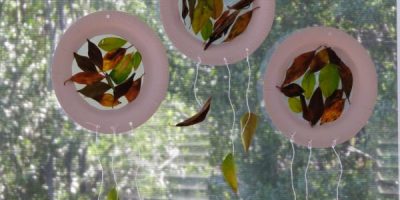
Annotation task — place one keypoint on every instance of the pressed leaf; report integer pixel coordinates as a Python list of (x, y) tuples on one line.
[(248, 123), (112, 58), (295, 105), (198, 117), (333, 111), (123, 69), (185, 9), (228, 169), (221, 20), (201, 14), (337, 95), (240, 25), (107, 100), (87, 78), (123, 88), (299, 67), (320, 60), (308, 84), (95, 54), (304, 108), (292, 90), (84, 63), (316, 107), (134, 91), (333, 57), (137, 59), (218, 7), (241, 4), (347, 79), (113, 194), (222, 29), (95, 90), (111, 43), (192, 4), (329, 79), (207, 30)]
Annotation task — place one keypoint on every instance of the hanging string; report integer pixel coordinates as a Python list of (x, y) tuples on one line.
[(138, 167), (248, 89), (112, 159), (98, 158), (195, 82), (291, 166), (341, 169), (308, 164), (230, 101)]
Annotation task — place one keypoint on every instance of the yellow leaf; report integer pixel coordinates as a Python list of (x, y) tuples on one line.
[(248, 123), (228, 169), (218, 7), (201, 14)]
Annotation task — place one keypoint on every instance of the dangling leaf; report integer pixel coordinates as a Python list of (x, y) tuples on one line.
[(240, 25), (347, 79), (228, 169), (198, 117), (316, 107), (299, 67), (123, 69), (113, 194), (123, 88), (95, 54), (107, 100), (333, 111), (185, 9), (295, 105), (304, 108), (111, 43), (137, 59), (134, 91), (333, 57), (95, 90), (222, 29), (248, 124), (84, 63), (320, 60), (292, 90), (221, 20), (112, 58), (87, 78), (337, 95), (241, 4), (192, 4), (218, 7), (308, 84), (329, 79), (201, 14), (207, 30)]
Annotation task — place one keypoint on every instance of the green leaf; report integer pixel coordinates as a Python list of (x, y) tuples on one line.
[(207, 30), (123, 69), (111, 43), (308, 84), (228, 169), (113, 194), (136, 60), (94, 90), (248, 123), (200, 16), (329, 79), (295, 105)]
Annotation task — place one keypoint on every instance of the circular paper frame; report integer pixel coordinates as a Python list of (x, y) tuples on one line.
[(155, 81), (362, 98), (234, 51)]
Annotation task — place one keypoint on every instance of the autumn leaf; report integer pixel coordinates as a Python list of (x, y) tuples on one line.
[(333, 111), (218, 7), (337, 95), (134, 91), (248, 123), (207, 30), (94, 90), (84, 63), (316, 107), (304, 108), (222, 29), (333, 57), (241, 4), (107, 100), (95, 54), (185, 9), (123, 69), (113, 194), (201, 14), (198, 117), (292, 90), (299, 67), (320, 60), (329, 79), (112, 58), (221, 20), (295, 105), (240, 25), (192, 4), (111, 43), (123, 88), (308, 84), (228, 169), (87, 78), (347, 79), (137, 59)]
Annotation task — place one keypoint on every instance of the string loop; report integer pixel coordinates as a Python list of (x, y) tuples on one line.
[(309, 146), (233, 108), (341, 168), (291, 165)]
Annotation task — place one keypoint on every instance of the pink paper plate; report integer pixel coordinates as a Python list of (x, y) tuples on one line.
[(362, 99), (154, 60), (233, 51)]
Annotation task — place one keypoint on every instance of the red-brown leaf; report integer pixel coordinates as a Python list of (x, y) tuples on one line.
[(306, 113), (299, 67), (337, 95), (222, 29), (333, 111), (87, 78), (84, 63), (112, 58), (241, 4), (347, 79), (316, 107), (123, 88), (292, 90), (95, 90), (95, 54), (240, 25), (134, 91), (198, 117), (320, 60), (185, 9)]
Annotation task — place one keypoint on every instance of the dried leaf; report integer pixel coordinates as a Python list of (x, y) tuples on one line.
[(308, 84), (95, 90), (329, 79), (134, 91), (228, 169), (123, 88), (95, 54), (123, 69), (333, 111), (316, 107), (185, 9), (240, 25), (111, 43), (292, 90), (222, 29), (113, 194), (84, 63), (320, 60), (192, 4), (87, 78), (337, 95), (112, 58), (304, 108), (347, 79), (299, 67), (198, 117), (207, 30), (248, 123), (107, 100), (137, 59), (333, 57), (295, 105), (221, 20), (218, 7), (241, 4), (201, 14)]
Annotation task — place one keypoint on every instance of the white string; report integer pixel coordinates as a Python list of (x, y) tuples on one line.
[(98, 158), (291, 167), (137, 169), (230, 101), (308, 164), (341, 169), (112, 159), (195, 82), (247, 90)]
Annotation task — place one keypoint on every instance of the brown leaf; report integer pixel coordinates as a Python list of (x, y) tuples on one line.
[(107, 100), (185, 9), (338, 94), (292, 90), (320, 60), (123, 88), (221, 20), (95, 54), (198, 117), (333, 111), (333, 57), (112, 58), (240, 25), (87, 78), (218, 7), (94, 90), (299, 67), (316, 107), (192, 5), (304, 107), (84, 63), (222, 29), (134, 91), (241, 4)]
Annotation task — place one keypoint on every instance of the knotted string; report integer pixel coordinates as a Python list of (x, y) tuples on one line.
[(195, 82), (112, 159), (137, 169), (291, 165), (308, 164), (98, 158), (230, 101), (248, 89), (341, 169)]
